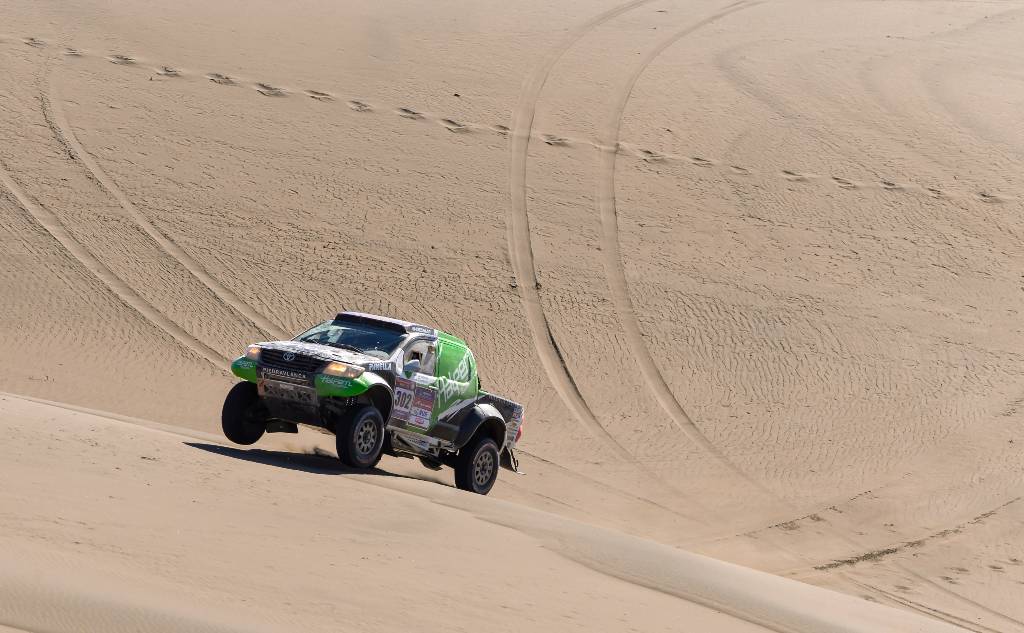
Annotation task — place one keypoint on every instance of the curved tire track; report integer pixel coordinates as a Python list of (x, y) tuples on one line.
[(620, 291), (519, 240), (53, 226), (58, 124), (614, 269)]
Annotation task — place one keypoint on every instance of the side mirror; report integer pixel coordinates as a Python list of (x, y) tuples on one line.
[(412, 367)]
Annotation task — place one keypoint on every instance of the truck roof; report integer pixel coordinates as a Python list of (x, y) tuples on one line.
[(388, 322), (397, 324)]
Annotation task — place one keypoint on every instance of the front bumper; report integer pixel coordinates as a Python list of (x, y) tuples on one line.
[(299, 397), (325, 386)]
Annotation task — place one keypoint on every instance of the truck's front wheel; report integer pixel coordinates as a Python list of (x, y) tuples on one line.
[(238, 417), (360, 437), (476, 467)]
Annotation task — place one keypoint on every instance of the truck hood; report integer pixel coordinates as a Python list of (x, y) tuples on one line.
[(323, 352)]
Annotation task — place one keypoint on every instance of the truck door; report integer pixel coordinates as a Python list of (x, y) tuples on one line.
[(456, 381), (416, 393)]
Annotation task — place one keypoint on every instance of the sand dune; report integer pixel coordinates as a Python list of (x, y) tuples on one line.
[(754, 268), (182, 520)]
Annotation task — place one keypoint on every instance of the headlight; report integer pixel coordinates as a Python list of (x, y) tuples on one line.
[(344, 370), (253, 352)]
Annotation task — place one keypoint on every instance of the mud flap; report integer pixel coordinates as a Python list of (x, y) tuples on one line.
[(508, 461)]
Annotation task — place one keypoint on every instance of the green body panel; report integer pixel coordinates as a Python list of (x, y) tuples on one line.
[(245, 369), (335, 387), (456, 376)]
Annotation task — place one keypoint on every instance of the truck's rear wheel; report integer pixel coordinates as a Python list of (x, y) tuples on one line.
[(360, 437), (239, 417), (476, 467)]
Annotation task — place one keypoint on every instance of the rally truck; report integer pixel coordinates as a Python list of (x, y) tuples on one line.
[(380, 385)]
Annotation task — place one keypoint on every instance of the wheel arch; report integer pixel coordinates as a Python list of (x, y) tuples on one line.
[(380, 396), (483, 419)]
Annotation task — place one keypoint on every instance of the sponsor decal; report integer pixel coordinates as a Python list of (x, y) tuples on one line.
[(245, 363), (405, 392), (284, 373), (423, 379), (337, 381), (424, 398), (421, 406), (416, 442), (421, 329), (375, 367), (420, 421), (456, 384)]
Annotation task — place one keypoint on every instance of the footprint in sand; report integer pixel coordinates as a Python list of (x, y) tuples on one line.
[(359, 106), (218, 78), (319, 96), (167, 71), (889, 185), (843, 183), (651, 156), (72, 52), (793, 176), (270, 91), (501, 129), (742, 171), (409, 113), (551, 139), (700, 162), (935, 193), (989, 198), (123, 60), (34, 41), (454, 126)]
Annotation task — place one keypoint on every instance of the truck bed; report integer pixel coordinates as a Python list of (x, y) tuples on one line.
[(511, 411)]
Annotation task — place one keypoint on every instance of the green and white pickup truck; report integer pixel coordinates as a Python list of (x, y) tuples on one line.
[(380, 385)]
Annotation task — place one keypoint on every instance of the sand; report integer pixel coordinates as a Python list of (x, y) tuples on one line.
[(753, 268)]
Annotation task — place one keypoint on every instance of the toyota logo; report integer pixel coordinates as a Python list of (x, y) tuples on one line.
[(289, 356)]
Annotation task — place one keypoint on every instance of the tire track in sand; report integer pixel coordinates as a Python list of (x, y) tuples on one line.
[(932, 612), (618, 284), (57, 121), (53, 226), (613, 263), (518, 233)]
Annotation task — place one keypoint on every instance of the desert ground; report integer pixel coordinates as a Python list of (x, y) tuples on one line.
[(755, 269)]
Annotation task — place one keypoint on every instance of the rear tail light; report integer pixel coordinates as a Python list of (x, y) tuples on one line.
[(519, 431)]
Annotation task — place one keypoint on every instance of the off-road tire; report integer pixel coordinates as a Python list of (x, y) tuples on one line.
[(360, 437), (476, 466), (239, 418)]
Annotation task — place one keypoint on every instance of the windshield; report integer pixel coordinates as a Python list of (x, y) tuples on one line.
[(361, 337)]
